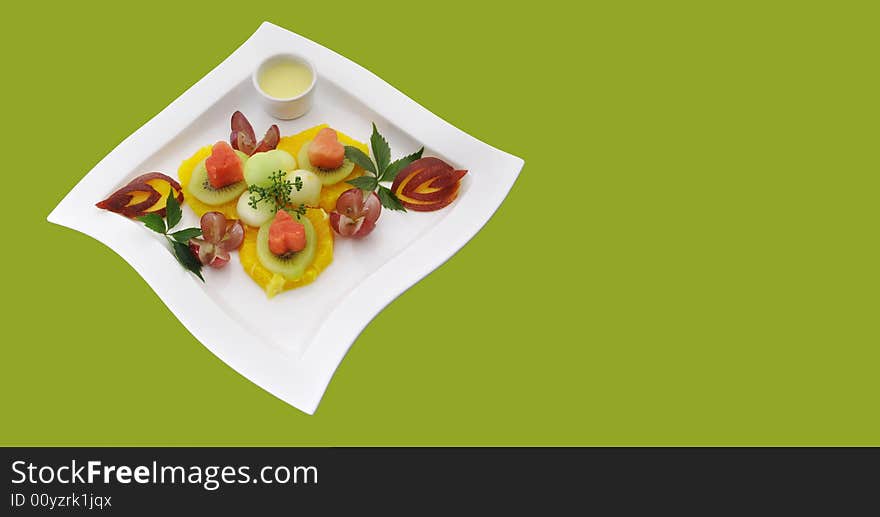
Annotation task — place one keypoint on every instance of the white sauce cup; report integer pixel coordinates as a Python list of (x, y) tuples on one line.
[(286, 108)]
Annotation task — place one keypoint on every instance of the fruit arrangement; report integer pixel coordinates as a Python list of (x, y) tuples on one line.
[(282, 200)]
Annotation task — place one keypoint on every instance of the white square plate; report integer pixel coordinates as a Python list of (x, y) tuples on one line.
[(229, 313)]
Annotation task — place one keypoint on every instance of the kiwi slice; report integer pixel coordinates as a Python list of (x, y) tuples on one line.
[(327, 176), (292, 265), (201, 188)]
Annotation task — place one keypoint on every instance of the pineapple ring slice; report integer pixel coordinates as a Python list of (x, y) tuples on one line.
[(274, 283), (329, 193)]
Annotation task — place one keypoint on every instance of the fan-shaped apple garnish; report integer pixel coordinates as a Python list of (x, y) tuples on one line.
[(427, 184), (143, 195)]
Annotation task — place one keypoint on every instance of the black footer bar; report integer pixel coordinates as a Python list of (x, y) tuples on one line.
[(416, 481)]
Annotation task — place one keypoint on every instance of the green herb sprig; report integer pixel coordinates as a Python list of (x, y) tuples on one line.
[(381, 167), (278, 193), (179, 239)]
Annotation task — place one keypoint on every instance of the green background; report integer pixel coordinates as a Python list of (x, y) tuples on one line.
[(688, 257)]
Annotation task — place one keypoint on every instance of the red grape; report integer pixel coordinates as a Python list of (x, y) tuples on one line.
[(356, 213), (219, 237)]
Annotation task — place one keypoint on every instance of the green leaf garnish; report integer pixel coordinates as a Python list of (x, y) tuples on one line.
[(186, 258), (183, 236), (180, 239), (383, 169), (398, 165), (367, 183), (360, 158), (381, 151), (389, 200), (172, 210), (154, 222)]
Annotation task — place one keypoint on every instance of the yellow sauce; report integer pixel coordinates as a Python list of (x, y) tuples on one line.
[(284, 79)]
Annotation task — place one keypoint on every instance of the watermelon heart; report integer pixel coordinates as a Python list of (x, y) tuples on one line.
[(326, 151)]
